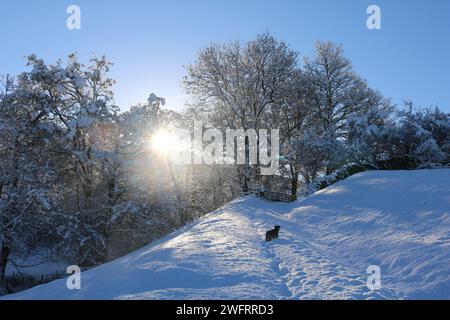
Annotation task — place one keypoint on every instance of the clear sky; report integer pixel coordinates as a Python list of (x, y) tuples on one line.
[(149, 41)]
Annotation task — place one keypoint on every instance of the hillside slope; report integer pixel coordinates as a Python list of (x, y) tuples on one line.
[(398, 220)]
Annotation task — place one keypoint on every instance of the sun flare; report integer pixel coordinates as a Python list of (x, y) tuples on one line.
[(163, 142)]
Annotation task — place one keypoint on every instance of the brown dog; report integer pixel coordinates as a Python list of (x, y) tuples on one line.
[(272, 234)]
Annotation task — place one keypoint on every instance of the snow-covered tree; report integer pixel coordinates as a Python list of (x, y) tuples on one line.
[(421, 136), (244, 85), (335, 93), (368, 134), (437, 123), (76, 100), (27, 173)]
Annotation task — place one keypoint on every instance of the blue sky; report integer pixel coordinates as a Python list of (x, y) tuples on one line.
[(149, 41)]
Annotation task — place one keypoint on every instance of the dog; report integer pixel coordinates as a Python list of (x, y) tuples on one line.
[(272, 234)]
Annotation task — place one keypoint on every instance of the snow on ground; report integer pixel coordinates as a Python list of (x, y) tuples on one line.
[(398, 220)]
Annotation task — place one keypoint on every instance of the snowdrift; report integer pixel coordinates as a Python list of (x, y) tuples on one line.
[(397, 220)]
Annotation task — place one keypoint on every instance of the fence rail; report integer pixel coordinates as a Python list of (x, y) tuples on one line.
[(273, 196), (23, 279), (277, 197)]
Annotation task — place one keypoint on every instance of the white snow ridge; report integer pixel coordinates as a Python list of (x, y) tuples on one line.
[(397, 220)]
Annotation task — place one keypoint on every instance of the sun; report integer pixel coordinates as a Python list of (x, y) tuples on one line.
[(163, 142)]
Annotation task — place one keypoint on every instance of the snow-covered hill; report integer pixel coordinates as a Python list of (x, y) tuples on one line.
[(398, 220)]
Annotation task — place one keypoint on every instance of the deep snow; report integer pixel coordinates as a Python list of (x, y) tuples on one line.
[(398, 220)]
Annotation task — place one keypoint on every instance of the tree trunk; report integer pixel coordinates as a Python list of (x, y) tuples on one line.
[(245, 182), (294, 184), (4, 255)]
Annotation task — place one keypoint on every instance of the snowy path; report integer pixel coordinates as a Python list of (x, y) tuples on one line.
[(310, 271), (397, 220)]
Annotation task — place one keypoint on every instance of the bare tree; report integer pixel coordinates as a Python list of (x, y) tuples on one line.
[(245, 86)]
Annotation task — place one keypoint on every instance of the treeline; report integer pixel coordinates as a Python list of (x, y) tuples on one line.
[(328, 116), (79, 181)]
